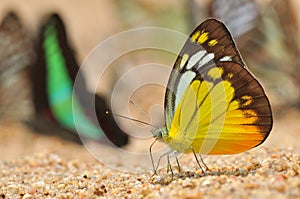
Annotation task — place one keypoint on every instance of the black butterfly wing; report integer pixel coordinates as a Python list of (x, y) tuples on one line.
[(42, 74)]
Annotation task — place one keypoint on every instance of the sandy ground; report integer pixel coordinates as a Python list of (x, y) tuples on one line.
[(33, 165)]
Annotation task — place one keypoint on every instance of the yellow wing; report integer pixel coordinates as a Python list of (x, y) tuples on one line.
[(224, 110)]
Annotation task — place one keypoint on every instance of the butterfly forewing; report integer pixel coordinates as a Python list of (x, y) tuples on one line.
[(209, 43)]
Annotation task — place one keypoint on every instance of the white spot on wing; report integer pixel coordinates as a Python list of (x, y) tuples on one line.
[(206, 59), (226, 58), (183, 83), (195, 58)]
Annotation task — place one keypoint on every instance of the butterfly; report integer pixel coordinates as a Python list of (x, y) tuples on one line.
[(213, 104), (243, 19), (16, 55), (53, 76)]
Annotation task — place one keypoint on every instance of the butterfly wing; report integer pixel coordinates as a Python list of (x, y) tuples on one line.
[(243, 19), (209, 42), (221, 108), (240, 16), (54, 74), (16, 55)]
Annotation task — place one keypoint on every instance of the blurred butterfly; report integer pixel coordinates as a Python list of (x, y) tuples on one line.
[(242, 18), (53, 77), (286, 17), (213, 104), (16, 55), (286, 25)]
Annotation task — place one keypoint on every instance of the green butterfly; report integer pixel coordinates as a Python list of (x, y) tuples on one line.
[(53, 76)]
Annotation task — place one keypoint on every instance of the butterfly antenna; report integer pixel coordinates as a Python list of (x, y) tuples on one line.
[(132, 119), (144, 112)]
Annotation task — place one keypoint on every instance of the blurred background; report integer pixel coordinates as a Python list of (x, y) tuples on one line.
[(266, 33)]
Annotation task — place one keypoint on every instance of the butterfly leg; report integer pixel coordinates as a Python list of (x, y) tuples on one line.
[(179, 169), (159, 159), (163, 155), (150, 152), (169, 166), (197, 160), (202, 161)]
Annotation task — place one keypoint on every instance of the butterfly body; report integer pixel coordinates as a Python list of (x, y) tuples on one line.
[(213, 104)]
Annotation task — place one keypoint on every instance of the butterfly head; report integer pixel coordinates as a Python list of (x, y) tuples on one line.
[(160, 133)]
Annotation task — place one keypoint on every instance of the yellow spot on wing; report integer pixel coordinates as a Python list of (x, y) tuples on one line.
[(183, 60), (247, 100), (250, 114), (195, 36), (212, 42), (203, 37), (215, 73)]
